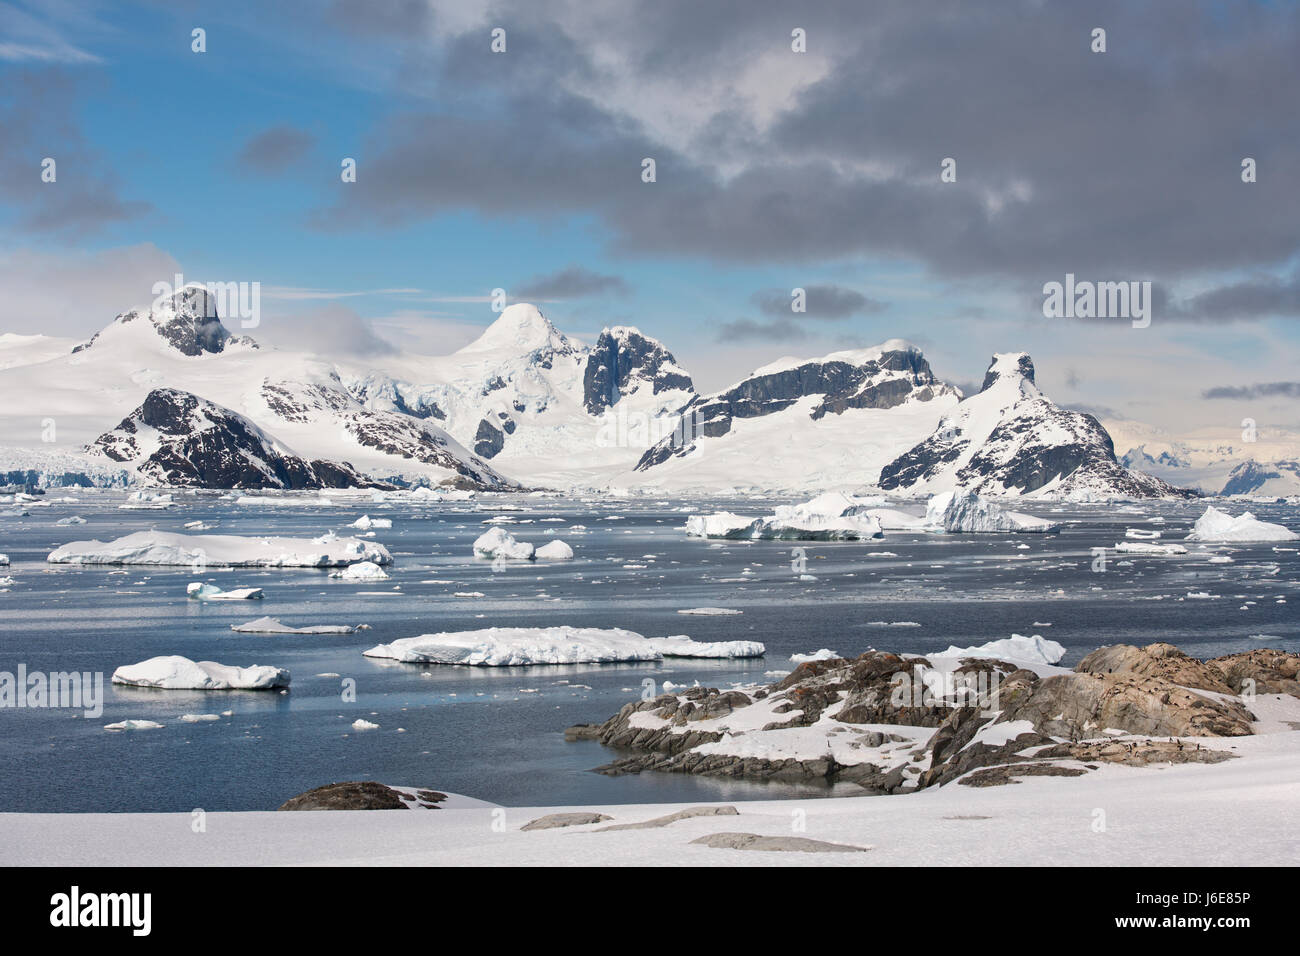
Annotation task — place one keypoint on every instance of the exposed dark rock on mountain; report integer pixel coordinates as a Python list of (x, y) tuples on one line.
[(489, 440), (1250, 476), (187, 321), (176, 438), (362, 795), (623, 358)]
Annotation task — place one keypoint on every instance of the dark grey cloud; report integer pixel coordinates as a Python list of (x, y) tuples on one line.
[(820, 302), (573, 282), (1258, 296), (1254, 392), (276, 149), (1118, 165), (750, 330), (38, 114)]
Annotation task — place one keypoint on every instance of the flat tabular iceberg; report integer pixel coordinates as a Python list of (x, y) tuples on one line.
[(968, 513), (1142, 547), (221, 550), (180, 673), (499, 543), (1017, 647), (1216, 525), (521, 646)]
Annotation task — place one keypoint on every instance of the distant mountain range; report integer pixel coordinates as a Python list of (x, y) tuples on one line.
[(169, 396)]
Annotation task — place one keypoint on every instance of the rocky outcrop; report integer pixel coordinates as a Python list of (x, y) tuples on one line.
[(186, 321), (985, 721), (362, 795), (623, 359)]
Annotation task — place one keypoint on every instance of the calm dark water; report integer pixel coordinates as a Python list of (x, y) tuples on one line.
[(498, 733)]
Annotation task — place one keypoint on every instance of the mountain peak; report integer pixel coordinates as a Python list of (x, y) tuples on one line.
[(1008, 366), (187, 321), (521, 328)]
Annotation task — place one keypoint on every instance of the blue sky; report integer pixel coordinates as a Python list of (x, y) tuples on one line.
[(479, 170)]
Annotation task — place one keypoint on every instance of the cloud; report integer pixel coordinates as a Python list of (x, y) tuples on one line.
[(749, 330), (571, 283), (820, 302), (276, 149), (331, 330), (1253, 392), (1259, 296)]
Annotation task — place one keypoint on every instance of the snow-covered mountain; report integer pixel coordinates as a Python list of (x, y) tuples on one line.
[(1010, 439), (1274, 478), (803, 423), (1235, 457)]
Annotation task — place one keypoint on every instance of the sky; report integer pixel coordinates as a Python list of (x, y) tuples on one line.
[(794, 146)]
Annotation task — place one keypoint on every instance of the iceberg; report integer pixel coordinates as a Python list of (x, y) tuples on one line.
[(1017, 647), (682, 646), (969, 513), (1142, 547), (272, 625), (832, 516), (132, 724), (556, 550), (1216, 525), (361, 571), (210, 592), (499, 543), (221, 550), (365, 523), (521, 646), (720, 524), (180, 673)]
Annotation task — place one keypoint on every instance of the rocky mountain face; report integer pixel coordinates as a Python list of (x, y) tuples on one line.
[(186, 321), (1264, 478), (880, 379), (624, 361), (178, 439), (1012, 439)]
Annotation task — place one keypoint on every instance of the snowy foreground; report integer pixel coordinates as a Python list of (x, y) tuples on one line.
[(1240, 812)]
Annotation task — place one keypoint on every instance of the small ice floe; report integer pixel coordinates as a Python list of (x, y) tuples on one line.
[(522, 646), (180, 673), (365, 523), (363, 724), (1034, 649), (197, 526), (199, 591), (1141, 534), (1220, 559), (467, 594), (221, 550), (1199, 595), (70, 520), (272, 625), (555, 550), (199, 718), (710, 611), (1142, 547), (361, 571), (4, 560), (145, 501), (1216, 525), (825, 654), (969, 513), (892, 624), (499, 543), (134, 724), (7, 581)]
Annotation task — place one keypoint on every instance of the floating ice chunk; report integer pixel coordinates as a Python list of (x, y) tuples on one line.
[(499, 543), (133, 724), (720, 524), (180, 673), (4, 560), (825, 654), (969, 513), (555, 551), (365, 523), (1017, 647), (682, 646), (145, 501), (521, 646), (199, 718), (710, 611), (272, 625), (221, 550), (197, 526), (1141, 547), (362, 724), (361, 571), (1141, 534), (210, 592), (70, 520), (1216, 525)]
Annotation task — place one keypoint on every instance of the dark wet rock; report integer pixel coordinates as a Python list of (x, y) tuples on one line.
[(353, 795)]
